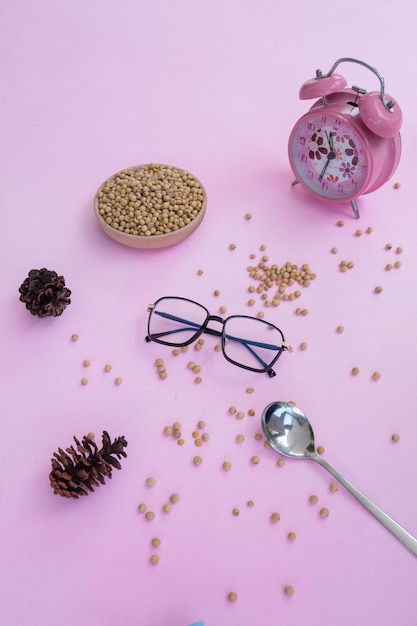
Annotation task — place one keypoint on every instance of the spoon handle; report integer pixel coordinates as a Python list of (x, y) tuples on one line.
[(400, 533)]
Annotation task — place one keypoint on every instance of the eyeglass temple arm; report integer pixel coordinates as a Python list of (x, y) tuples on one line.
[(210, 331), (270, 371)]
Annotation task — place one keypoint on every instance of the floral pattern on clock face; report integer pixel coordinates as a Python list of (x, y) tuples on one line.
[(328, 157)]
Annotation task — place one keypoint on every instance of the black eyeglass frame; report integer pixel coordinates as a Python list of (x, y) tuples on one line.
[(203, 328)]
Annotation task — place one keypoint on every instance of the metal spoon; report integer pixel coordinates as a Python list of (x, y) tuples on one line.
[(289, 432)]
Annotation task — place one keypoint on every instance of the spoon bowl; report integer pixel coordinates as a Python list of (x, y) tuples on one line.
[(289, 432)]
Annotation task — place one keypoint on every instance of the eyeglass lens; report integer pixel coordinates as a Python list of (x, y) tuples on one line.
[(251, 342), (176, 321)]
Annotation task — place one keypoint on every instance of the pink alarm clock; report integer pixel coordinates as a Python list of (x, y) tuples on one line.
[(348, 144)]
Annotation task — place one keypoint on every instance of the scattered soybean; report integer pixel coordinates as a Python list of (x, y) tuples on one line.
[(289, 590)]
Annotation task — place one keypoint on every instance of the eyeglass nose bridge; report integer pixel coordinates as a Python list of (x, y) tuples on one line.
[(214, 318), (212, 331)]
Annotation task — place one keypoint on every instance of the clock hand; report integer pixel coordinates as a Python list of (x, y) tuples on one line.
[(323, 171), (330, 140), (330, 156)]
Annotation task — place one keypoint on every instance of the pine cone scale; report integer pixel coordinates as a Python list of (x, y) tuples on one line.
[(114, 462)]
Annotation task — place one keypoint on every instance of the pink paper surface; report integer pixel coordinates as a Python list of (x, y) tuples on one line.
[(89, 89)]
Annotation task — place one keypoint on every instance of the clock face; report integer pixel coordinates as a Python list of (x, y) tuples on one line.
[(328, 156)]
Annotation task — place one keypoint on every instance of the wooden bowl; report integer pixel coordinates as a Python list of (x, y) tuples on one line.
[(150, 241)]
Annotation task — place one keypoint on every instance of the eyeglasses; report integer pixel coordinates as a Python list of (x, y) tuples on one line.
[(248, 342)]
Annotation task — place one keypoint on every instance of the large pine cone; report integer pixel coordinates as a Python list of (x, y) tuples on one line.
[(77, 471), (44, 293)]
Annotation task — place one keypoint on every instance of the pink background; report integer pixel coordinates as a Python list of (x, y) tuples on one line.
[(89, 88)]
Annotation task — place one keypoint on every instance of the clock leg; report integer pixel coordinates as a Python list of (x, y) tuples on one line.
[(294, 182), (355, 208)]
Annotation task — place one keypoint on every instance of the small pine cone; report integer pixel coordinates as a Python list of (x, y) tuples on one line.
[(44, 293), (76, 471)]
